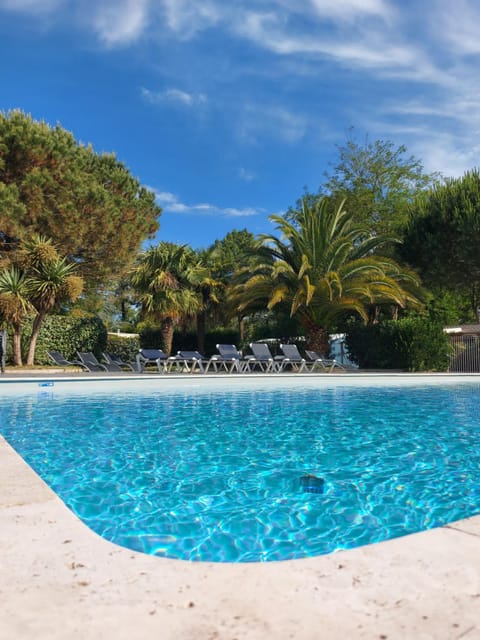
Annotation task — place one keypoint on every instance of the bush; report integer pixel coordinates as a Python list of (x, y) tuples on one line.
[(123, 346), (413, 344), (66, 334)]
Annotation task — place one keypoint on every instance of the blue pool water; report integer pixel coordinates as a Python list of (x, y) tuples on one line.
[(216, 475)]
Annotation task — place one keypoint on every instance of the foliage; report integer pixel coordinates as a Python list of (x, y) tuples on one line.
[(44, 279), (68, 335), (272, 325), (151, 338), (126, 348), (96, 213), (377, 181), (15, 305), (443, 236), (323, 268), (168, 279), (413, 343)]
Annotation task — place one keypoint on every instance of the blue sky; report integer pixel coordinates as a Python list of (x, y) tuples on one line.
[(227, 109)]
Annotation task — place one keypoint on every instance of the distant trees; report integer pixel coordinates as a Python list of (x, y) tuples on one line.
[(377, 181), (442, 238), (92, 208), (322, 268)]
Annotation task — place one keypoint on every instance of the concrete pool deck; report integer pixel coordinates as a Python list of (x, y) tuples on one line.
[(59, 580)]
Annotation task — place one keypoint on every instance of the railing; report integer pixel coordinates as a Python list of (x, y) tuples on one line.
[(465, 356)]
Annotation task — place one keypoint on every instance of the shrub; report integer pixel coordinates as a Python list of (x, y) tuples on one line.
[(66, 334), (413, 343), (123, 346)]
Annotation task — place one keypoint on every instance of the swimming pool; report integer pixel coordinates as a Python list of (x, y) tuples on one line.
[(211, 470)]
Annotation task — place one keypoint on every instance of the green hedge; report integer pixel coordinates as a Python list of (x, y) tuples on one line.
[(123, 346), (66, 334), (412, 344)]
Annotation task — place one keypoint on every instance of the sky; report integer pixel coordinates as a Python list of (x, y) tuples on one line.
[(229, 109)]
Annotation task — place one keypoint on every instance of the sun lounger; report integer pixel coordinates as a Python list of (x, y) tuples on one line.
[(189, 361), (291, 358), (111, 358), (148, 356), (228, 358), (323, 364), (59, 360), (262, 358), (92, 364)]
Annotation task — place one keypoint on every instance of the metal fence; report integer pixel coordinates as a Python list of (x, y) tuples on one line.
[(465, 356)]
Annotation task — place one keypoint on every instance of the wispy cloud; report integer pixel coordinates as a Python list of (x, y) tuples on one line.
[(186, 18), (120, 22), (257, 121), (458, 29), (351, 10), (170, 202), (173, 96)]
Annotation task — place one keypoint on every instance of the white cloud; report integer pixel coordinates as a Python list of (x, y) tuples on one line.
[(174, 96), (120, 22), (458, 28), (170, 202), (186, 18)]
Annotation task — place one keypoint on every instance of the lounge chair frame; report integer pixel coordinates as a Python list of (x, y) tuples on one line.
[(57, 358), (92, 364), (187, 361), (111, 358), (146, 356), (324, 364), (291, 358), (262, 358), (229, 358)]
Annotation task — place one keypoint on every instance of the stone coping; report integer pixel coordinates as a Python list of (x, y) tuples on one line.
[(61, 581)]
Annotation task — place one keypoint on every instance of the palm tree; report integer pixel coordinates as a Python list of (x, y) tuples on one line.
[(323, 268), (15, 305), (166, 279), (51, 281)]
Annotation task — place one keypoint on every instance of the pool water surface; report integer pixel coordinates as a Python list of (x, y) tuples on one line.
[(219, 475)]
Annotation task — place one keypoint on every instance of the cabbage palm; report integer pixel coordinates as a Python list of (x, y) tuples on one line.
[(166, 279), (324, 267), (15, 305)]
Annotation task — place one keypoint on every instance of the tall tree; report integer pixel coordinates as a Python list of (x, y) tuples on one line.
[(443, 236), (322, 268), (166, 279), (377, 181), (15, 305), (52, 281), (93, 209), (36, 282), (237, 251)]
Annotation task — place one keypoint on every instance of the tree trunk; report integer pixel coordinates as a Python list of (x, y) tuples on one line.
[(167, 330), (37, 323), (201, 331), (318, 339), (241, 328), (17, 347)]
